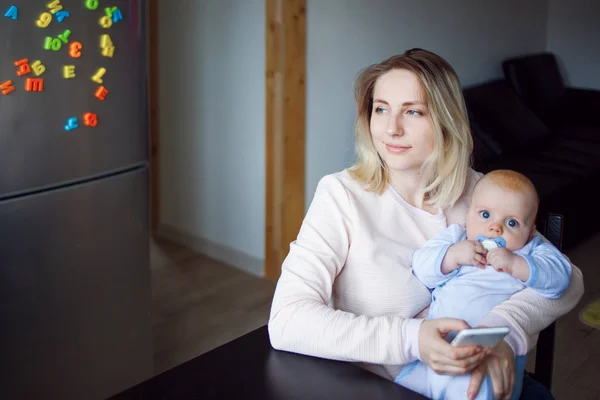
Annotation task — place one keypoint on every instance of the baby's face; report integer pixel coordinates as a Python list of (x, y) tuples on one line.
[(497, 212)]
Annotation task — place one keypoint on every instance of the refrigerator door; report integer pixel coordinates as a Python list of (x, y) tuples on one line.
[(36, 149), (75, 291)]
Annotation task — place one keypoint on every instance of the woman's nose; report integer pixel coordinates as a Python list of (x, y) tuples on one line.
[(394, 126)]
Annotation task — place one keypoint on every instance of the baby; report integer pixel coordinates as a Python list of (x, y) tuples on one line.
[(468, 280)]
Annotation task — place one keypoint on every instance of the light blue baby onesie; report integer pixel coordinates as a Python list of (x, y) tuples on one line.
[(469, 293)]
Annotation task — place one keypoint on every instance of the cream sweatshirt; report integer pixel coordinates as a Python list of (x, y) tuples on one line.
[(347, 292)]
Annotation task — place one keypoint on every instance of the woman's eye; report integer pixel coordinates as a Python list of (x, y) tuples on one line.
[(379, 110), (414, 112), (484, 214), (512, 223)]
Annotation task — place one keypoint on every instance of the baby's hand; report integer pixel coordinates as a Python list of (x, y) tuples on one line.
[(466, 252), (502, 260)]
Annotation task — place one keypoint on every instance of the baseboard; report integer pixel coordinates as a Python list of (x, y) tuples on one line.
[(214, 250)]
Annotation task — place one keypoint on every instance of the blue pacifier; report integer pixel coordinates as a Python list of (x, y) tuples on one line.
[(491, 243)]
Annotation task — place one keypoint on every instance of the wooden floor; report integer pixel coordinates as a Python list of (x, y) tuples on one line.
[(577, 353), (200, 304)]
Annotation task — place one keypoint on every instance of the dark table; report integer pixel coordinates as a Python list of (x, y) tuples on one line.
[(249, 368)]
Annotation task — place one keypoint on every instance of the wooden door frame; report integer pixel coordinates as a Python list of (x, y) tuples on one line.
[(285, 128), (285, 90)]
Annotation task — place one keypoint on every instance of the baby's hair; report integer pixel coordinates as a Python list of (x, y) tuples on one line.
[(513, 181)]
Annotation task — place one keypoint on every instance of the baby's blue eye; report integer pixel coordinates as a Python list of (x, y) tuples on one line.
[(485, 214), (512, 223)]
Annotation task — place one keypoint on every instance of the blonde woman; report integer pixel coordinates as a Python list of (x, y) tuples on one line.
[(346, 290)]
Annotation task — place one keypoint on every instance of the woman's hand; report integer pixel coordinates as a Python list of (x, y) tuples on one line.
[(439, 355), (500, 366)]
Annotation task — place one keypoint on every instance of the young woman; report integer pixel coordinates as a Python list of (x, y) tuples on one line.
[(346, 290)]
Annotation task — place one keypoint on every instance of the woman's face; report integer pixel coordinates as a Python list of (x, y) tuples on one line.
[(401, 126)]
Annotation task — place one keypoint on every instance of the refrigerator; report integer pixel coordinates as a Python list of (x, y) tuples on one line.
[(75, 288)]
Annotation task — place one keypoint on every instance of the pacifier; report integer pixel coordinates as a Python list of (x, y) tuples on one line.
[(491, 243)]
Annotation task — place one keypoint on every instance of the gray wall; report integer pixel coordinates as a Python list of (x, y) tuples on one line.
[(574, 36), (212, 127), (344, 36)]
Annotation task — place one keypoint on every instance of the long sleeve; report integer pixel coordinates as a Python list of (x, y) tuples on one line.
[(301, 319), (550, 271), (527, 313), (427, 261)]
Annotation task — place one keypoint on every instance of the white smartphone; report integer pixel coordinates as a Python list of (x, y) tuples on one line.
[(483, 337)]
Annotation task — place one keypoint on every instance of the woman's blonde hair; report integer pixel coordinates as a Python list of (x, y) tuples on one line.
[(445, 170)]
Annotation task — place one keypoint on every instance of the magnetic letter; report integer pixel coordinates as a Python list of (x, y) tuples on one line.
[(52, 43), (101, 93), (106, 43), (117, 16), (109, 11), (34, 84), (12, 12), (113, 13), (54, 6), (69, 71), (75, 49), (61, 15), (71, 124), (65, 36), (108, 51), (6, 87), (90, 119), (105, 40), (56, 44), (106, 22), (44, 20), (38, 68), (23, 67), (91, 4), (98, 76)]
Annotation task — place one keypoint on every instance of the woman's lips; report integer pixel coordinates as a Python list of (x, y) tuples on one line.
[(392, 148)]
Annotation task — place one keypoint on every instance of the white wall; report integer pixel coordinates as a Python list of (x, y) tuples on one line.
[(574, 36), (212, 127), (344, 36)]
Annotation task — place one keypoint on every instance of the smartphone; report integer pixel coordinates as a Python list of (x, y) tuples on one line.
[(483, 337)]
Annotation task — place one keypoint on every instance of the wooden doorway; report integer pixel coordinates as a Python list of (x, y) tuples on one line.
[(285, 132), (285, 125)]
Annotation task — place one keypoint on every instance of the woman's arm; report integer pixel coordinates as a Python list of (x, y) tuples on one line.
[(527, 313), (301, 320)]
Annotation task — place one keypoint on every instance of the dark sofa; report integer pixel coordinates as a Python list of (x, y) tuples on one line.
[(532, 123)]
